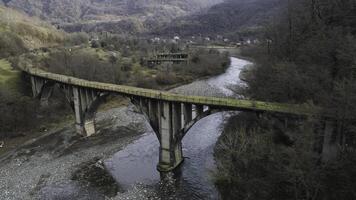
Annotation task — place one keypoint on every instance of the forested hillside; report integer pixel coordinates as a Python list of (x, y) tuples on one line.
[(227, 18), (184, 17), (112, 15), (309, 57)]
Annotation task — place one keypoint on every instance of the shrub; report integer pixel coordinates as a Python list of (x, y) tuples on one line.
[(145, 82), (95, 44), (10, 45), (166, 78), (78, 38), (18, 113), (126, 66)]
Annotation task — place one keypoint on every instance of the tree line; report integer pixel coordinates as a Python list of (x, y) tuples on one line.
[(309, 56)]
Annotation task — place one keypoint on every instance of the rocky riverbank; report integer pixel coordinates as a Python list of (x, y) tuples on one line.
[(44, 168), (61, 165)]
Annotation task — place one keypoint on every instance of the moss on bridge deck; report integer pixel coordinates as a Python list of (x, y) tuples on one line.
[(225, 103)]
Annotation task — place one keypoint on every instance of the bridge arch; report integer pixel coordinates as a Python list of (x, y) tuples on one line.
[(171, 121), (83, 101)]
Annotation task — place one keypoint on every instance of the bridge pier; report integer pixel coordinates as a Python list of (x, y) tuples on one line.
[(170, 154), (86, 102), (42, 89), (79, 115), (37, 85), (170, 121), (46, 95)]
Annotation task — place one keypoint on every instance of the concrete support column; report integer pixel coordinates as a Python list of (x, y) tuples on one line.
[(46, 94), (84, 115), (177, 134), (165, 131), (170, 125), (89, 124), (37, 85), (187, 113), (33, 84), (153, 115), (78, 110), (42, 89)]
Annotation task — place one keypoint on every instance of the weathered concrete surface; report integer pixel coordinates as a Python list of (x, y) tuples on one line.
[(171, 154), (223, 103)]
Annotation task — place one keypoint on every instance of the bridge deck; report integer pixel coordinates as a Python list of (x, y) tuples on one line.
[(228, 103)]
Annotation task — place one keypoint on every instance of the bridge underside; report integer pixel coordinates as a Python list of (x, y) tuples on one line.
[(169, 120), (84, 102)]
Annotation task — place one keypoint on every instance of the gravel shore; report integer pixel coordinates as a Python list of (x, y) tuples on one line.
[(44, 168)]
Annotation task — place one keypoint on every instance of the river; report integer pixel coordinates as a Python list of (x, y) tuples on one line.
[(134, 167)]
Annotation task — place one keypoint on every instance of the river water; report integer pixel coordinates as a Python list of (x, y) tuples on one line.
[(134, 167)]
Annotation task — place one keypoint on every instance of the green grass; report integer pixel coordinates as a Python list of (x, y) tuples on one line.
[(9, 77)]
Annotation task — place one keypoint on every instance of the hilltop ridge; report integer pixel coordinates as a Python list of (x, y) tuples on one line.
[(227, 18)]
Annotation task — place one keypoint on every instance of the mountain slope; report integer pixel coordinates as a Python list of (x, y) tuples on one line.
[(82, 14), (227, 17), (19, 32)]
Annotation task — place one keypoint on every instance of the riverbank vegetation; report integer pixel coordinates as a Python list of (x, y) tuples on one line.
[(308, 56), (263, 158), (123, 62)]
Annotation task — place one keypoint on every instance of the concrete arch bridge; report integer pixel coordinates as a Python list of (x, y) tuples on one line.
[(170, 115)]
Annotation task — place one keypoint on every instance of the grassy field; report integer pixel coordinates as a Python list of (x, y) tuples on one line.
[(9, 78)]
